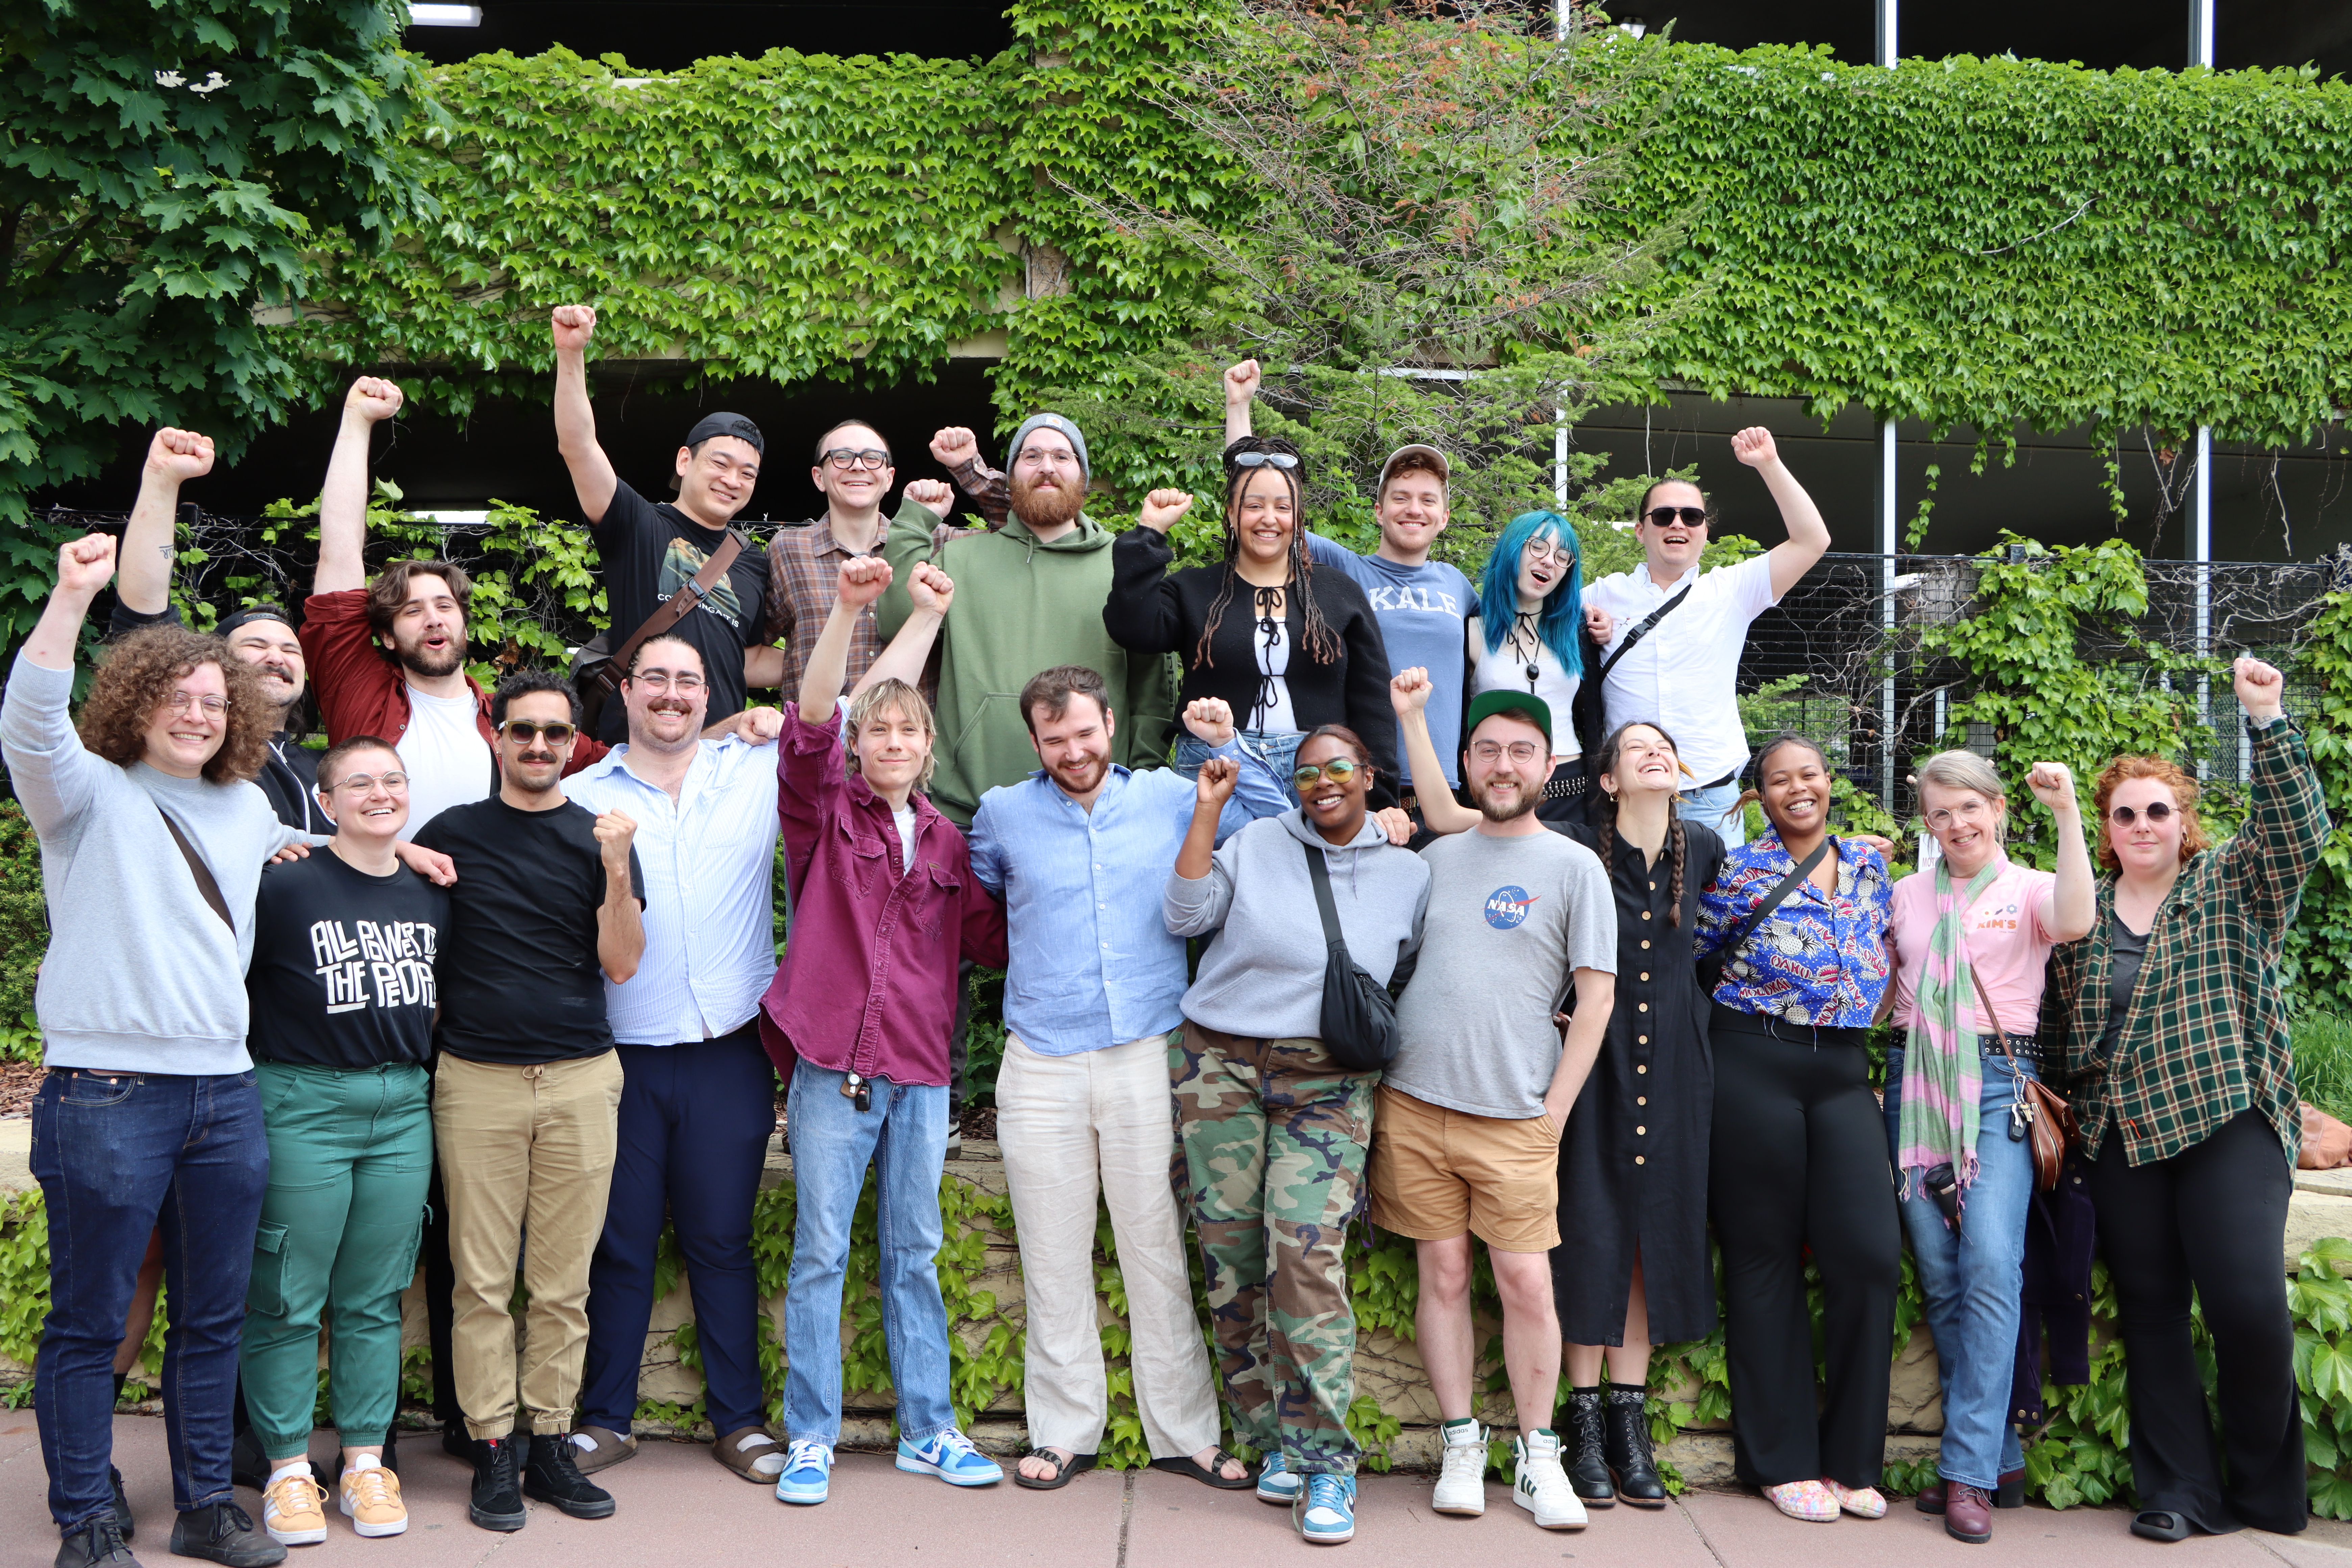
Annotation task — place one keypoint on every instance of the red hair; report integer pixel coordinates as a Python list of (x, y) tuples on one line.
[(2166, 771)]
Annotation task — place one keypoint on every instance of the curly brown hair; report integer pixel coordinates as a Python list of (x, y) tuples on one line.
[(2194, 840), (137, 677)]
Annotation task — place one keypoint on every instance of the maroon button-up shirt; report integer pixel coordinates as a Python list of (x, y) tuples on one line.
[(869, 981)]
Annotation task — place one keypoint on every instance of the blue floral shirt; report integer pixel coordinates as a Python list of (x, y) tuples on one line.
[(1818, 958)]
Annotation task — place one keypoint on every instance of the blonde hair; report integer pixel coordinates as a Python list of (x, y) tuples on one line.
[(879, 698), (1964, 770)]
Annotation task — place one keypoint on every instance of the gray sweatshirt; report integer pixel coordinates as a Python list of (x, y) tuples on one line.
[(1261, 972), (141, 974)]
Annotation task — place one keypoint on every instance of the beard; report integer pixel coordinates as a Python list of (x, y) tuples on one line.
[(416, 661), (1079, 778), (1047, 508), (1528, 800)]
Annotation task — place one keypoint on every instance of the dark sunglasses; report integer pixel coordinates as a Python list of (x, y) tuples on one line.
[(1338, 770), (1666, 516), (1264, 460), (2158, 811), (524, 731)]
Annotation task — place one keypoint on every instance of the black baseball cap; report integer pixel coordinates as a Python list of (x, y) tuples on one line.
[(733, 424)]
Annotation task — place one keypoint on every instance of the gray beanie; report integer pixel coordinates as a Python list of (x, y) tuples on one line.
[(1049, 421)]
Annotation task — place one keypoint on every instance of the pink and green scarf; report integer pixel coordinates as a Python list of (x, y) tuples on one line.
[(1943, 1067)]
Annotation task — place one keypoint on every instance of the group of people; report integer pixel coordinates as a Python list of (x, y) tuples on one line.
[(512, 1002)]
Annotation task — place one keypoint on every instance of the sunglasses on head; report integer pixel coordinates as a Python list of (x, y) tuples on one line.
[(1263, 460), (1666, 516), (2158, 811), (524, 731), (1338, 770)]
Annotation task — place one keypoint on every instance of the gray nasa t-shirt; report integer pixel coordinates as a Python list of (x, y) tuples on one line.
[(1509, 921)]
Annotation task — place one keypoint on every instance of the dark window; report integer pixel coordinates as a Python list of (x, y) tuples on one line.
[(674, 34)]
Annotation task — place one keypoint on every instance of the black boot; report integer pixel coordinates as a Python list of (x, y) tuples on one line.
[(552, 1474), (124, 1523), (497, 1501), (97, 1544), (247, 1465), (1588, 1465), (455, 1441), (1628, 1446), (222, 1533)]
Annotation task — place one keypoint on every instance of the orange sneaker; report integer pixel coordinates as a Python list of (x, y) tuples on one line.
[(293, 1507), (371, 1498)]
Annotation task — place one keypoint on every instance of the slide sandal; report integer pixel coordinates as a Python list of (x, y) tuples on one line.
[(1185, 1465), (1063, 1470)]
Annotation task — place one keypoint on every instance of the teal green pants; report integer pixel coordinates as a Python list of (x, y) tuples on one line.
[(350, 1155)]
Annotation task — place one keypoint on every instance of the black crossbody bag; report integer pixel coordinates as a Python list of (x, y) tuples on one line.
[(1711, 967), (1641, 630), (1359, 1024)]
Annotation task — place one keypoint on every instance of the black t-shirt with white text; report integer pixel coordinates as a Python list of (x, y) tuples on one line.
[(520, 980), (650, 552), (342, 972)]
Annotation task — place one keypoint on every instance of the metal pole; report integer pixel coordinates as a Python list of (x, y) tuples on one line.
[(1559, 460), (1887, 540), (2200, 33), (1885, 14)]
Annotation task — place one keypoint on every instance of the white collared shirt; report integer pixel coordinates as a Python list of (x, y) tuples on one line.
[(1683, 675), (708, 858)]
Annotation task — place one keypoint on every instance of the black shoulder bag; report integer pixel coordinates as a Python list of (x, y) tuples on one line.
[(1711, 967), (1358, 1015)]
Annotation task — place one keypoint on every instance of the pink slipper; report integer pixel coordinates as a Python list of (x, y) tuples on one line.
[(1809, 1500), (1864, 1504)]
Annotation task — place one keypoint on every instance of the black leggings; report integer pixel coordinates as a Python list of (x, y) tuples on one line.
[(1798, 1160), (2213, 1217)]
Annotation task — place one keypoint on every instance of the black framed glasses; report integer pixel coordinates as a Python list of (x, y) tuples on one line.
[(524, 731), (2158, 811), (1265, 459), (847, 457), (1666, 516), (1338, 770)]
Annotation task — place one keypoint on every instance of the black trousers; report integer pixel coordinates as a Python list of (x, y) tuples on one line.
[(1798, 1160), (2211, 1218)]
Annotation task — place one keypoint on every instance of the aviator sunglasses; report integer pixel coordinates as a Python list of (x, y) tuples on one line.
[(1261, 460), (1338, 770)]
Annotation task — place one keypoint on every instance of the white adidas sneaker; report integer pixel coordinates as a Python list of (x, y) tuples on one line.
[(1462, 1470), (1541, 1485)]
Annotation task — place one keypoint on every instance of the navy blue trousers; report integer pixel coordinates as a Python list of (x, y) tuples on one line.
[(694, 1127)]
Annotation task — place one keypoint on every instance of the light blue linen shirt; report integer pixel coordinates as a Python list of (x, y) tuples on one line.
[(708, 858), (1091, 961)]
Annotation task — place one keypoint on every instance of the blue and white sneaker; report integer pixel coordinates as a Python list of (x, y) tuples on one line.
[(1325, 1511), (950, 1456), (808, 1473), (1275, 1484)]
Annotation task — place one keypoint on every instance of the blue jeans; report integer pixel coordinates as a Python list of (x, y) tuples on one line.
[(1280, 753), (1974, 1281), (904, 1135), (119, 1155), (1708, 807)]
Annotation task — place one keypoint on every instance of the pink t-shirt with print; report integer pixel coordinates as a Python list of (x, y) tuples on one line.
[(2008, 931)]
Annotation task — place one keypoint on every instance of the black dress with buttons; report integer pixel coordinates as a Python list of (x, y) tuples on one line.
[(1633, 1162)]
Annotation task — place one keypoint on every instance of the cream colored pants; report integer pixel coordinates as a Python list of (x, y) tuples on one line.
[(1072, 1126), (524, 1150)]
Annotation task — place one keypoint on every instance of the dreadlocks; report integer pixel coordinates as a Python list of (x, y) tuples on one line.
[(1320, 642)]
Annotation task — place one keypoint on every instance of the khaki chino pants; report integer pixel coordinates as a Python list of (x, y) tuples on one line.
[(525, 1151)]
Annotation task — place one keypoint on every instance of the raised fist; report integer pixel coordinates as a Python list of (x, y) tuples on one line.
[(862, 580), (1241, 382), (614, 829), (574, 325), (1409, 690), (372, 398), (1210, 719), (2052, 785), (1218, 776), (84, 564), (929, 588), (1162, 508), (935, 495), (2259, 689), (178, 455), (1754, 447), (954, 446)]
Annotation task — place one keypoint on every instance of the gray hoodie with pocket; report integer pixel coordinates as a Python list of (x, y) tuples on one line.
[(1261, 972)]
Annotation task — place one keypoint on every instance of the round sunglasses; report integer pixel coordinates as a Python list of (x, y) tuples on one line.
[(1338, 770)]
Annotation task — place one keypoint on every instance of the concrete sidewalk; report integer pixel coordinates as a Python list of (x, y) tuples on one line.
[(677, 1506)]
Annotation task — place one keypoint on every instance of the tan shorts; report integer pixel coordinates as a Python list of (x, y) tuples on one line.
[(1437, 1172)]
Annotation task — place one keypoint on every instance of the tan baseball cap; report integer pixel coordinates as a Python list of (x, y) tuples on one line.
[(1431, 454)]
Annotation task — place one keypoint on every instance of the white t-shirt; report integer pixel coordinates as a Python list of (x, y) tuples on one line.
[(442, 754), (1506, 669), (905, 821), (1683, 675)]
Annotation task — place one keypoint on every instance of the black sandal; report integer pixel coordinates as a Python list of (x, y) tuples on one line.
[(1063, 1470), (2160, 1524), (1186, 1464)]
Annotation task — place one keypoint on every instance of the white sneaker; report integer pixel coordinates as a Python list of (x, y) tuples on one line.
[(1542, 1486), (1462, 1471)]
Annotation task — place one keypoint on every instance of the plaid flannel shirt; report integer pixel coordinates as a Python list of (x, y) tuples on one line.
[(803, 567), (2206, 1037)]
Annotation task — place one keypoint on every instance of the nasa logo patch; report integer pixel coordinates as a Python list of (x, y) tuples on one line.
[(1507, 907)]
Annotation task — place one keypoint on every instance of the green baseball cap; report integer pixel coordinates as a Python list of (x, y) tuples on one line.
[(1502, 699)]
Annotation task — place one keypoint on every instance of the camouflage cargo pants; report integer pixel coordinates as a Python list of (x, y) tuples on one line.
[(1271, 1140)]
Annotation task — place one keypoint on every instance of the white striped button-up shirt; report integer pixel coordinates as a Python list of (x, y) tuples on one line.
[(708, 858)]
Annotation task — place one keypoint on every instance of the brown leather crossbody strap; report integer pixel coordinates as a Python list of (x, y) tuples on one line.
[(204, 883), (673, 609)]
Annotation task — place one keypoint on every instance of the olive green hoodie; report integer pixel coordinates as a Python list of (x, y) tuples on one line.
[(1021, 605)]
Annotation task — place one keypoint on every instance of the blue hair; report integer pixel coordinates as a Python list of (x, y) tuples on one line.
[(1563, 612)]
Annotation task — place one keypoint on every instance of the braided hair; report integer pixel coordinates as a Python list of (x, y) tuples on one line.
[(1675, 842), (1320, 642)]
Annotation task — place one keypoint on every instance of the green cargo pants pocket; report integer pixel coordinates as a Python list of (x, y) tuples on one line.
[(266, 1291)]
